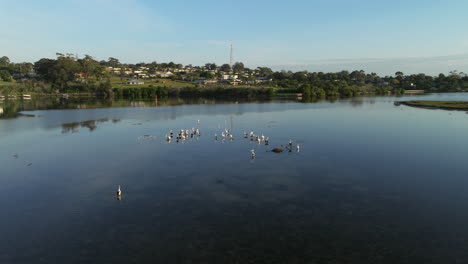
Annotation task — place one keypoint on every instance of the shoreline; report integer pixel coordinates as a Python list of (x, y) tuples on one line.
[(443, 105)]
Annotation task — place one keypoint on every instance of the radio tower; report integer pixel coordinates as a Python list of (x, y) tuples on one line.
[(231, 59)]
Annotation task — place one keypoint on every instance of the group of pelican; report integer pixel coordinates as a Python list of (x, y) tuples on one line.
[(224, 135), (183, 134), (257, 138), (266, 140)]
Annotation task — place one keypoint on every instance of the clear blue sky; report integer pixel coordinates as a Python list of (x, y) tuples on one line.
[(320, 35)]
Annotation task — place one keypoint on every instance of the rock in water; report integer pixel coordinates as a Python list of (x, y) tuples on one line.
[(277, 150)]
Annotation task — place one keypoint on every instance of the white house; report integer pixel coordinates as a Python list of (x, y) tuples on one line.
[(135, 82), (230, 77), (165, 74)]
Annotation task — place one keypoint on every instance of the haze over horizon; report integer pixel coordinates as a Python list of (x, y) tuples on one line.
[(376, 36)]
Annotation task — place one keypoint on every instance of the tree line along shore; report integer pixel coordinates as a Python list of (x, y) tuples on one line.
[(68, 74)]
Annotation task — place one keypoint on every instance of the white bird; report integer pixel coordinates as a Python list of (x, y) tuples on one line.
[(253, 153), (198, 121), (297, 148), (251, 134), (290, 143), (223, 135), (266, 140), (168, 138), (245, 134), (263, 137), (231, 137), (119, 191), (216, 136), (259, 140)]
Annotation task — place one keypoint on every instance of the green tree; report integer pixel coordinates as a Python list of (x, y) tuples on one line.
[(4, 62), (211, 66), (5, 76), (265, 71), (207, 74), (225, 68), (113, 62), (238, 67), (89, 67)]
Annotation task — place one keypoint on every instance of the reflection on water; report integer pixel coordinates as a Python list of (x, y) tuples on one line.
[(372, 183), (11, 108), (90, 124)]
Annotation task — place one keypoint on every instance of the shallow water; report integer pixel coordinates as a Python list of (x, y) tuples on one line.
[(372, 183)]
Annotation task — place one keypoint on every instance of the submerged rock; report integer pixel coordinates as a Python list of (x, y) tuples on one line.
[(277, 150)]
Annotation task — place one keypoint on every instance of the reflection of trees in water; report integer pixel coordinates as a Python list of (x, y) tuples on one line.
[(89, 124), (11, 108), (356, 101)]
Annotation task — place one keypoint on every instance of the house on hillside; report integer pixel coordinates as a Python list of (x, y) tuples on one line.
[(229, 77), (165, 74), (263, 80), (206, 81), (135, 82)]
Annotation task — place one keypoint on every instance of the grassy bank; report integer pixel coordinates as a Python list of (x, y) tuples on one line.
[(448, 105)]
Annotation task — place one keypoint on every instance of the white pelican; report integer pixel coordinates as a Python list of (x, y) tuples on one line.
[(266, 140), (231, 137), (253, 153), (119, 191), (297, 148), (263, 137)]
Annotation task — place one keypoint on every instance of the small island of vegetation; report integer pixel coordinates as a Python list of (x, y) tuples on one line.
[(447, 105)]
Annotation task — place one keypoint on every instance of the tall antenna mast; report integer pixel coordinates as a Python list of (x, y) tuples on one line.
[(231, 59)]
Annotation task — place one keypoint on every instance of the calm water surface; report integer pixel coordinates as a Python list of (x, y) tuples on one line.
[(373, 183)]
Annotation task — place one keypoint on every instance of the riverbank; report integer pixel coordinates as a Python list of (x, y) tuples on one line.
[(446, 105)]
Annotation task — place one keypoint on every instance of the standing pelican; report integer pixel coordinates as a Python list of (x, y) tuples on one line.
[(119, 191), (297, 148), (231, 137), (216, 136), (266, 141), (253, 153)]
